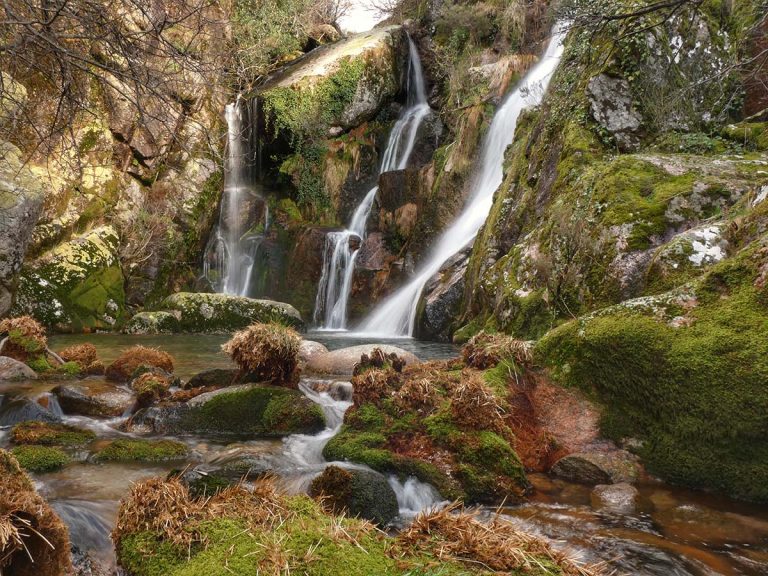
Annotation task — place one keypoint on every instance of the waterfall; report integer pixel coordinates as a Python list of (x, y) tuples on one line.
[(231, 254), (341, 248), (396, 316)]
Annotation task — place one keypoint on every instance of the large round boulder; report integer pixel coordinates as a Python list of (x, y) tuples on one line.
[(342, 362), (356, 492), (11, 369)]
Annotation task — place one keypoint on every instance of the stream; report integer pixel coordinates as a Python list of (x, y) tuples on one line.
[(672, 531)]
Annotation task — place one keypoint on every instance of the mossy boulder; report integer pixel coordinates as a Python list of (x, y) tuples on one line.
[(41, 459), (244, 411), (140, 450), (78, 285), (223, 313), (356, 492), (153, 323), (51, 434)]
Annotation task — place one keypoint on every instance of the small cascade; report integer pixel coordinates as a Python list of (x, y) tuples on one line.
[(414, 496), (396, 316), (232, 251), (341, 248), (52, 401)]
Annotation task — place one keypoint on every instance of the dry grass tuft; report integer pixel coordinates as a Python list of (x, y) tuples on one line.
[(121, 369), (266, 352), (150, 388), (33, 540), (83, 354), (474, 405), (378, 359), (486, 350), (374, 385), (332, 488), (419, 394), (454, 534), (24, 338)]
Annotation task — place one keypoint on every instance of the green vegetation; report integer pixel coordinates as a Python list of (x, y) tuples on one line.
[(135, 450), (48, 434), (40, 458)]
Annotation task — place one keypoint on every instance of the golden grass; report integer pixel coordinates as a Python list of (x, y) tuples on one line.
[(83, 354), (25, 338), (486, 350), (266, 352), (475, 406), (121, 369)]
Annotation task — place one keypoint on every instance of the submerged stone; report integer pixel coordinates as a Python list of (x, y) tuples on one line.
[(23, 410)]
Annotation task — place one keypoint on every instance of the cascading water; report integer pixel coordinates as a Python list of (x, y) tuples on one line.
[(396, 316), (232, 251), (341, 248)]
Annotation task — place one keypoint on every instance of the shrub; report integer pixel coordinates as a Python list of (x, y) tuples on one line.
[(266, 352), (121, 369)]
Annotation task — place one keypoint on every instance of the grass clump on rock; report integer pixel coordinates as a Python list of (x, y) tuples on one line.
[(121, 369), (25, 339), (33, 539), (150, 388), (162, 530), (51, 434), (84, 355), (266, 353), (41, 458), (138, 450)]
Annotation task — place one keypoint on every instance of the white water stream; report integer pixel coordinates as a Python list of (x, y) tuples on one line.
[(396, 316), (342, 247)]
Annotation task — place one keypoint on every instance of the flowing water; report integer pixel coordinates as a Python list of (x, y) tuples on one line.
[(232, 252), (342, 247), (396, 316), (671, 532)]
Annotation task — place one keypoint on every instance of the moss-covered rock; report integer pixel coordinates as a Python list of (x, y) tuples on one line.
[(76, 286), (51, 434), (244, 411), (684, 375), (139, 450), (223, 313), (152, 323), (41, 458)]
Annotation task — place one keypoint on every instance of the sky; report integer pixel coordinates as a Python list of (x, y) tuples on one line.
[(359, 18)]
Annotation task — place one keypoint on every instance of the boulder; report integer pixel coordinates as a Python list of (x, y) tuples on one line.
[(153, 323), (356, 492), (76, 286), (94, 399), (442, 299), (611, 102), (224, 313), (245, 411), (219, 377), (24, 410), (309, 350), (21, 201), (342, 362), (608, 467), (620, 498), (11, 369)]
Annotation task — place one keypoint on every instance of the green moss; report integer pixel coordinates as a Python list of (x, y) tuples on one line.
[(695, 395), (134, 450), (264, 411), (751, 135), (48, 434), (40, 458)]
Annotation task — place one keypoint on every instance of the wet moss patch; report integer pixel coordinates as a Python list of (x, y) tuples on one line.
[(41, 458), (135, 450)]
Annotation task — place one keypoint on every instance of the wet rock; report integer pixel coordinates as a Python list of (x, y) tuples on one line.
[(223, 313), (308, 350), (608, 467), (153, 323), (76, 286), (356, 492), (94, 399), (245, 411), (442, 299), (338, 390), (23, 410), (203, 483), (612, 107), (21, 201), (220, 377), (620, 498), (342, 362), (11, 369)]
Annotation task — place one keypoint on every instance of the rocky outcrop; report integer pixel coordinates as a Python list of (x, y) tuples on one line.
[(612, 107), (441, 300), (76, 286), (222, 313), (153, 323), (21, 201)]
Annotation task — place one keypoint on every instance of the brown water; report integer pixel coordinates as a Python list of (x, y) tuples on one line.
[(671, 532)]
